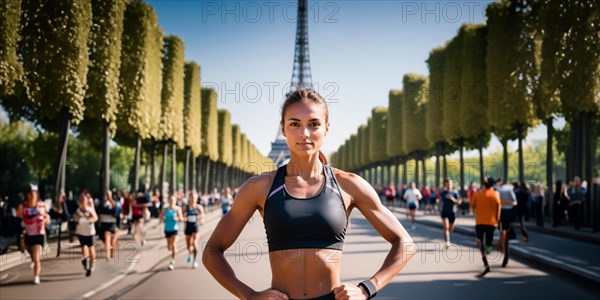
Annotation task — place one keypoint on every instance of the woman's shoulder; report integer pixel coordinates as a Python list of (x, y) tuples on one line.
[(259, 183), (348, 180)]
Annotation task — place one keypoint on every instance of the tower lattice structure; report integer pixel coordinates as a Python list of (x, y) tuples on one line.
[(301, 77)]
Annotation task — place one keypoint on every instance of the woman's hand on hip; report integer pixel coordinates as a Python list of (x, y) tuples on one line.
[(349, 291), (269, 294)]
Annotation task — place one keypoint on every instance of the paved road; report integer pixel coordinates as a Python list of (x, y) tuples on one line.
[(432, 274)]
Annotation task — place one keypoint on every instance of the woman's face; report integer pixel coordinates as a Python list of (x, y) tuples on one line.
[(305, 126)]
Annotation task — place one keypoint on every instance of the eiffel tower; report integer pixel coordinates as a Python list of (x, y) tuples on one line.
[(280, 153)]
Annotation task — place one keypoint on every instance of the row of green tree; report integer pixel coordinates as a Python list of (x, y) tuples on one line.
[(106, 68), (532, 62)]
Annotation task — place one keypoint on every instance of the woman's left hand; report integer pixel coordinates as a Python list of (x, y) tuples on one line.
[(349, 291)]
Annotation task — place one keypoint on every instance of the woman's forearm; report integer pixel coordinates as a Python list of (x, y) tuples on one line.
[(401, 252), (215, 262)]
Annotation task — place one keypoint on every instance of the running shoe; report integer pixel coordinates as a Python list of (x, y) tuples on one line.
[(485, 271), (447, 245), (172, 265), (195, 265), (88, 272), (84, 263), (36, 280)]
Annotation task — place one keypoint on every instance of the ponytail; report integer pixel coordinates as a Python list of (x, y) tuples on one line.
[(323, 158)]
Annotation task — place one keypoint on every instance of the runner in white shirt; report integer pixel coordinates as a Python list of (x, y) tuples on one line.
[(412, 197)]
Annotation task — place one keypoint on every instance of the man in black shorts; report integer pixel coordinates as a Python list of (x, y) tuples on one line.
[(449, 199)]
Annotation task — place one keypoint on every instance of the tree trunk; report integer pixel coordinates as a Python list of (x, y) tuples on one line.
[(397, 165), (521, 164), (152, 165), (207, 176), (445, 167), (60, 164), (437, 169), (424, 171), (105, 163), (550, 165), (504, 160), (193, 175), (186, 170), (481, 170), (404, 172), (587, 168), (135, 182), (417, 182), (461, 143), (163, 172), (174, 169)]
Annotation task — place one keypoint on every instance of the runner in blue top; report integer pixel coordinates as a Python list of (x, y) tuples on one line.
[(194, 216), (449, 200), (171, 215)]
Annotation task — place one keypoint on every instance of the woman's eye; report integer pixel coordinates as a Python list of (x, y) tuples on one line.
[(315, 124)]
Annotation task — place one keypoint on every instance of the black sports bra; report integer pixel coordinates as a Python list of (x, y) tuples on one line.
[(316, 222)]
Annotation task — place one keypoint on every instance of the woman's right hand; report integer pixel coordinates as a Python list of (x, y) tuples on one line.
[(269, 294)]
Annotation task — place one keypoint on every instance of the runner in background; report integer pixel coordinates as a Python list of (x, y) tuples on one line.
[(194, 216), (171, 215), (412, 197), (390, 194), (85, 217), (486, 205), (450, 200)]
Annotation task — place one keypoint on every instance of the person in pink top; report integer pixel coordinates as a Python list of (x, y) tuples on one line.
[(35, 218)]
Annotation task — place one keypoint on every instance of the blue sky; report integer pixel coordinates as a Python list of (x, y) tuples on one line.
[(359, 50)]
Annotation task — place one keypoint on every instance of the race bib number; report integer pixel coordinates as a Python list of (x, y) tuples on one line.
[(192, 218)]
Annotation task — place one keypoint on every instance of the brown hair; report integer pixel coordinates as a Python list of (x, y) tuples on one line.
[(306, 94)]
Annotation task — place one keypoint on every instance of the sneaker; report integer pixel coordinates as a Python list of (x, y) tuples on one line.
[(88, 272), (143, 242), (84, 263), (195, 265), (36, 280), (172, 265), (447, 245), (485, 271), (189, 259), (488, 250)]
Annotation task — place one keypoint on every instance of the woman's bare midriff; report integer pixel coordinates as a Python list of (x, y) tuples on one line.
[(305, 273)]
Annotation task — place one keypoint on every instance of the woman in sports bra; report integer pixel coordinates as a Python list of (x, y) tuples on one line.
[(194, 217), (305, 207), (35, 218), (171, 215)]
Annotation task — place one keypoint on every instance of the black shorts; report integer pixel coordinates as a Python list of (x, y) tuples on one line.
[(169, 234), (111, 227), (506, 218), (389, 199), (86, 240), (31, 240), (191, 228), (487, 231), (450, 216), (330, 296), (412, 206), (135, 218)]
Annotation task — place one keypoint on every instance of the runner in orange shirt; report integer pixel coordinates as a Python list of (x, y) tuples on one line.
[(486, 205)]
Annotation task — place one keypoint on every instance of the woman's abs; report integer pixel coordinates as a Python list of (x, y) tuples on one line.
[(305, 273)]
